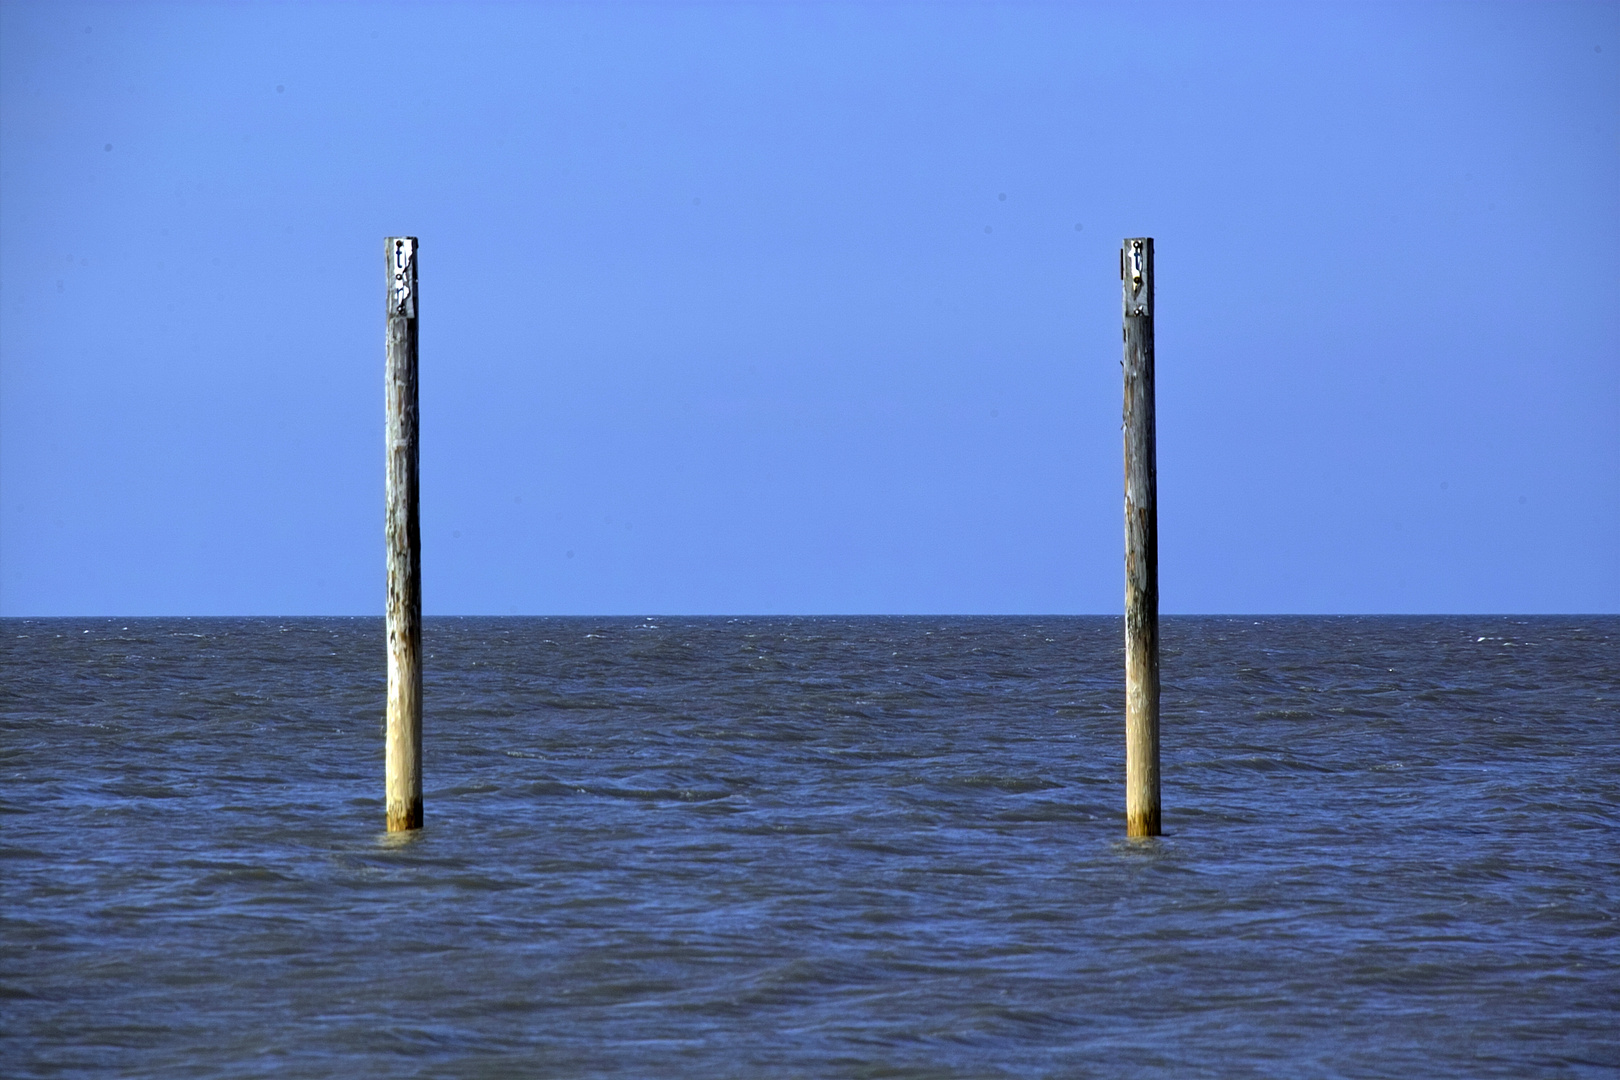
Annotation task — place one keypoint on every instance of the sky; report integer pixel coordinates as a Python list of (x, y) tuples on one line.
[(810, 308)]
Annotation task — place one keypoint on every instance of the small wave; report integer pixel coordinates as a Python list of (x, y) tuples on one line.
[(1013, 784), (1285, 714), (1261, 763)]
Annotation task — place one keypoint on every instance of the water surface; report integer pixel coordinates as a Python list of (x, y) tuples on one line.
[(811, 847)]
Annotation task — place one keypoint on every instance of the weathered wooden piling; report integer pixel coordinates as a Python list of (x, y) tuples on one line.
[(1141, 546), (404, 542)]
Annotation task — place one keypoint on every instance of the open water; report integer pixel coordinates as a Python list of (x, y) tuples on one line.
[(811, 847)]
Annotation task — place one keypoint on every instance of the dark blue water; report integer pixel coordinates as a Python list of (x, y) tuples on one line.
[(811, 847)]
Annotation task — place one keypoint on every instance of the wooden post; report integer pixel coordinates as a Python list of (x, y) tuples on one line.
[(1141, 547), (404, 541)]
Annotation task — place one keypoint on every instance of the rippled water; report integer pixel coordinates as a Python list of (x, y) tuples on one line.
[(812, 847)]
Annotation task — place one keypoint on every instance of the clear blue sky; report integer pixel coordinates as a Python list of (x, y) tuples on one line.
[(810, 308)]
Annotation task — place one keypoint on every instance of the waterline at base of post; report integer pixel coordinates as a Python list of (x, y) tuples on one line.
[(1143, 825), (403, 819)]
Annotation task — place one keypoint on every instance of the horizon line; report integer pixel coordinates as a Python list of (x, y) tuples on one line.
[(881, 615)]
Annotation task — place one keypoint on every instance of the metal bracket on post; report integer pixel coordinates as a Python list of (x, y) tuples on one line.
[(402, 277), (1136, 271)]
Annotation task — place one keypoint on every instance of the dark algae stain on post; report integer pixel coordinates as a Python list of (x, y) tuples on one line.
[(811, 847)]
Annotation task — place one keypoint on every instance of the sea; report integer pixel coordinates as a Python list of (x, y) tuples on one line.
[(811, 847)]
